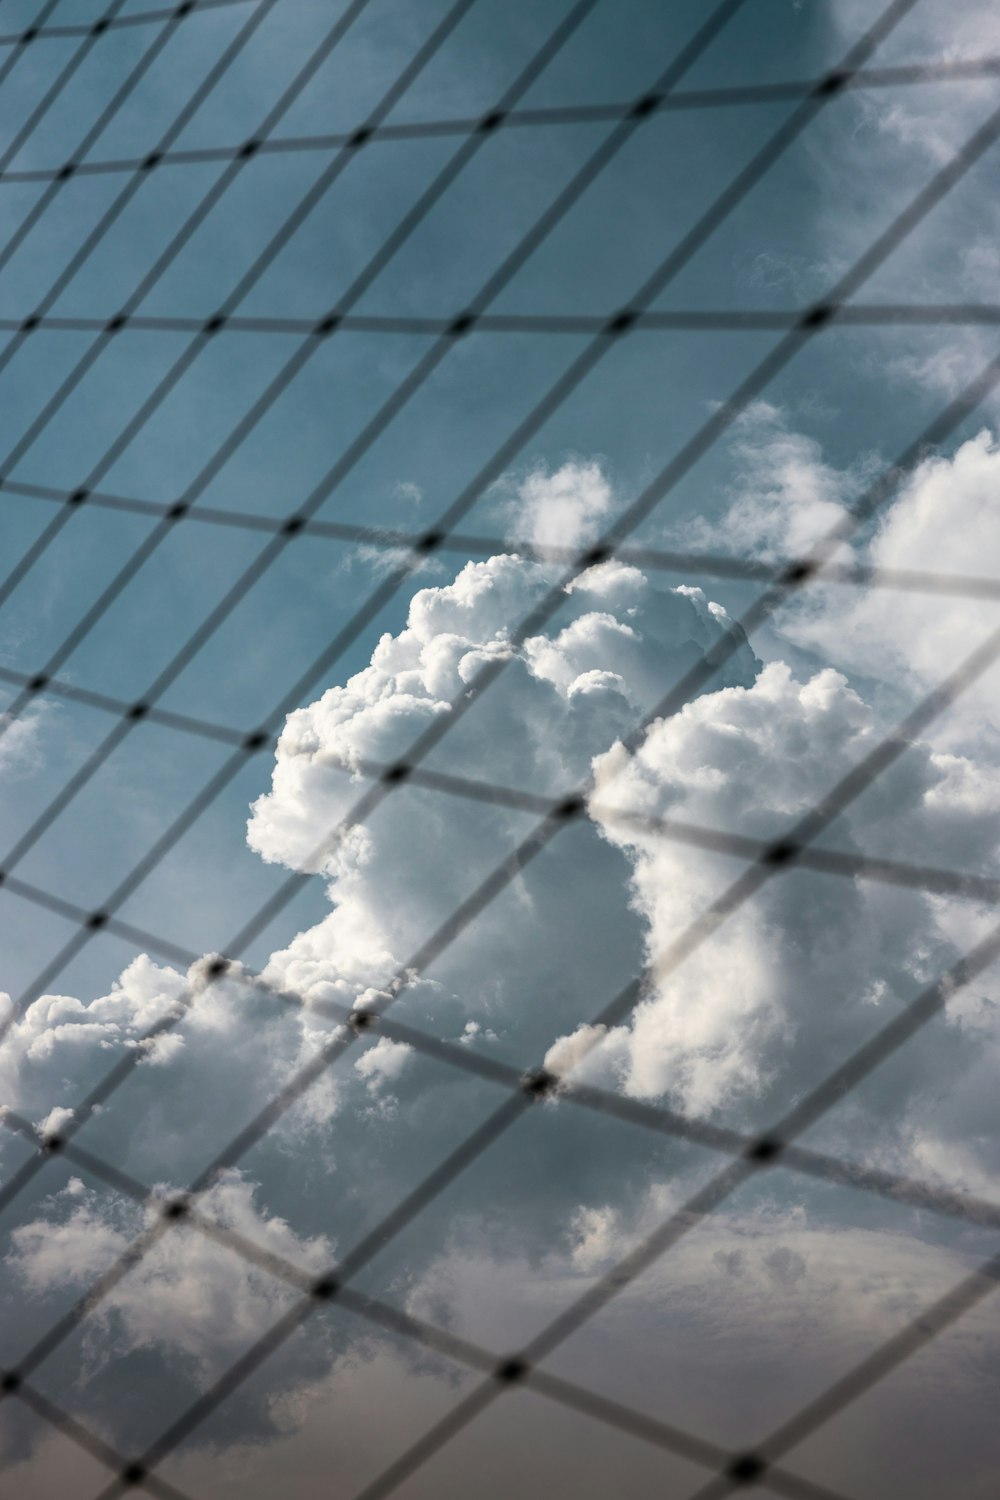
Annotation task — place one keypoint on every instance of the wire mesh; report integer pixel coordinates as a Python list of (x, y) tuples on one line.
[(760, 859)]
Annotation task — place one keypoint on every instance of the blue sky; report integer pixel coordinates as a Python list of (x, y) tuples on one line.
[(438, 443), (647, 397), (823, 679)]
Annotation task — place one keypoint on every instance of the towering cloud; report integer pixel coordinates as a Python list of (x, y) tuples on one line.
[(783, 991)]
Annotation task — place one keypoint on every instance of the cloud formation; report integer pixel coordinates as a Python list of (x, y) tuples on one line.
[(189, 1296), (786, 988)]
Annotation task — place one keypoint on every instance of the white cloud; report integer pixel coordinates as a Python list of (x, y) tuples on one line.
[(383, 1063), (934, 120), (20, 746), (563, 508), (946, 519), (775, 1298), (896, 139), (55, 1121), (615, 647), (784, 496), (748, 760), (778, 995), (78, 1250), (189, 1295)]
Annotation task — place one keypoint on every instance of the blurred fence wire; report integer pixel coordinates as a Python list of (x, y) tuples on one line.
[(756, 861)]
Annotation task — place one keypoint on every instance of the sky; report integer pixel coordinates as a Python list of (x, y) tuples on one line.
[(792, 1281)]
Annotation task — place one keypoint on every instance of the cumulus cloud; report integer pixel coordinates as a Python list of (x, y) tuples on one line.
[(62, 1045), (381, 1067), (752, 757), (780, 993), (790, 973), (770, 1296), (188, 1295), (946, 519), (562, 509), (784, 496), (615, 647)]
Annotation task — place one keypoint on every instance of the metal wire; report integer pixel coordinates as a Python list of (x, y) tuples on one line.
[(537, 1085), (747, 1156), (703, 670), (39, 31), (713, 565), (764, 1151), (727, 201), (264, 560), (940, 71)]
